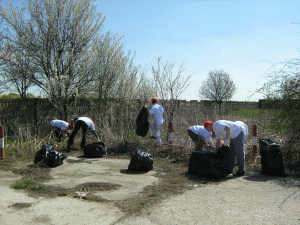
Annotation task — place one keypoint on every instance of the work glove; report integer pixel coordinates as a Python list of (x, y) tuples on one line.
[(226, 142)]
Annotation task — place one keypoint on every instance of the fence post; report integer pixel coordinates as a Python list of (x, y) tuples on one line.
[(2, 141), (170, 126), (254, 140)]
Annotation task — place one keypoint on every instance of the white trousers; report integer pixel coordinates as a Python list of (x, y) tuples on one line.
[(155, 131)]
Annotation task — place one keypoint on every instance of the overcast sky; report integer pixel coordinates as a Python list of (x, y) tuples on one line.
[(241, 37)]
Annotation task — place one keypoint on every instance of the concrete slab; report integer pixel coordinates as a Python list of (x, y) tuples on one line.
[(68, 210), (76, 171)]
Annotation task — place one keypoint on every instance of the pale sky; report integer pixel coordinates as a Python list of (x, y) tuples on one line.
[(242, 37)]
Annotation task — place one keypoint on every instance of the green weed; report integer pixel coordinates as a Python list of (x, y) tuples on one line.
[(29, 184), (143, 203), (250, 113), (62, 193), (133, 137)]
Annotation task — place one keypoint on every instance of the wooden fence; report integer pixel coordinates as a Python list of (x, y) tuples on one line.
[(36, 113)]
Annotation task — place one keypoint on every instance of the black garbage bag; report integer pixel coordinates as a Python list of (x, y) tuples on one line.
[(271, 158), (142, 122), (210, 164), (140, 161), (95, 150), (49, 156)]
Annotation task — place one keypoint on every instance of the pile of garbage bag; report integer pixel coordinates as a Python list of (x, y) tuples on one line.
[(49, 156)]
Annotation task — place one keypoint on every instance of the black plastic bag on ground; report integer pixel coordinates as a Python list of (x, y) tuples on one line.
[(95, 150), (140, 161), (49, 156), (210, 164), (271, 158), (142, 122)]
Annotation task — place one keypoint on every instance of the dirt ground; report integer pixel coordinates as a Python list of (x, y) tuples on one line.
[(102, 191)]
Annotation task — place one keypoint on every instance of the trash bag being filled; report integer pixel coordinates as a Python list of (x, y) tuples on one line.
[(210, 164), (49, 156), (142, 122)]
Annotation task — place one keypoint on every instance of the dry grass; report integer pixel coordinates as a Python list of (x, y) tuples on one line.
[(170, 161)]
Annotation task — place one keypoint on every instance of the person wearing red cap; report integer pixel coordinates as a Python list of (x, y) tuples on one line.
[(158, 113), (235, 135), (201, 137)]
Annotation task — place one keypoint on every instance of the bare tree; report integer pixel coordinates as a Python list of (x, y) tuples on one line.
[(57, 36), (218, 87), (282, 91), (108, 53), (16, 73), (5, 48), (5, 55), (146, 89), (116, 76), (169, 86)]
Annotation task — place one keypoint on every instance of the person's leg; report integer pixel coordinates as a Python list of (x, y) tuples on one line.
[(56, 132), (155, 131), (84, 128), (158, 139), (59, 135), (231, 157), (240, 151), (152, 126), (72, 136)]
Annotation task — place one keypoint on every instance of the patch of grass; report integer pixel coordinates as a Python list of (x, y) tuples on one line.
[(26, 184), (8, 153), (153, 195), (21, 205), (37, 188), (143, 203), (250, 113), (133, 137), (29, 184), (62, 193)]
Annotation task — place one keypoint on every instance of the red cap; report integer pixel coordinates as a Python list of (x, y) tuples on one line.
[(207, 123), (154, 100)]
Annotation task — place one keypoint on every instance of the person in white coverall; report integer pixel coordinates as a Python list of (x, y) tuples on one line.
[(158, 113), (235, 135), (60, 128)]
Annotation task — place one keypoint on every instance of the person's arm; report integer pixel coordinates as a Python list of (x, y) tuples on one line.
[(65, 132), (227, 129), (92, 127), (218, 144), (96, 135), (211, 144)]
